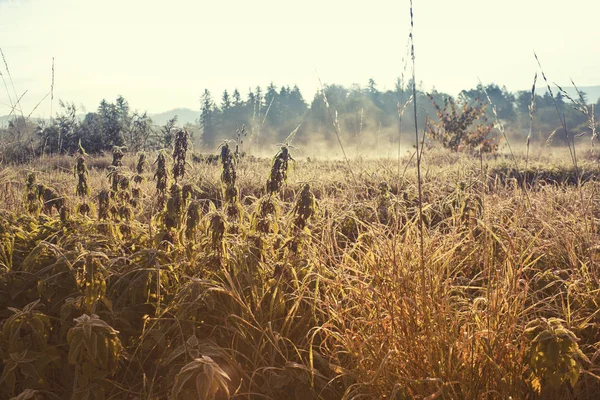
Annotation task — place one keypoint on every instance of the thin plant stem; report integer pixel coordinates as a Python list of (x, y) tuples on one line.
[(419, 184)]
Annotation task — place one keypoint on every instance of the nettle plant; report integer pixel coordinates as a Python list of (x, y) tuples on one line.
[(182, 139), (140, 166), (95, 351), (136, 191), (279, 170), (231, 193), (201, 378), (554, 355), (139, 178), (24, 350), (82, 189), (32, 195), (303, 210), (462, 126), (118, 155), (161, 176)]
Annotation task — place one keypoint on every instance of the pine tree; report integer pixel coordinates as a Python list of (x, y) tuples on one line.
[(237, 98), (372, 87), (297, 105), (225, 101)]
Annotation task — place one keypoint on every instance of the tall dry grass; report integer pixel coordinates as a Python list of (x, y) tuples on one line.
[(335, 306)]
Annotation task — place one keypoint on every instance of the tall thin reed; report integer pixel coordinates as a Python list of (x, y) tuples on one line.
[(419, 181), (570, 139), (531, 111)]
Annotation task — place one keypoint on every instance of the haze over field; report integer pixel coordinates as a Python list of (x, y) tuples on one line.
[(161, 56)]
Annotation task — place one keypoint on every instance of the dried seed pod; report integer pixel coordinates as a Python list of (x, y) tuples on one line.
[(216, 230), (31, 181), (232, 207), (103, 205), (139, 168), (304, 208), (81, 172), (194, 213), (161, 177), (264, 218), (65, 214), (32, 195), (279, 170), (124, 183), (114, 177), (136, 193), (228, 175), (189, 191), (179, 153), (141, 164), (84, 209), (118, 154), (51, 199), (124, 212), (173, 214)]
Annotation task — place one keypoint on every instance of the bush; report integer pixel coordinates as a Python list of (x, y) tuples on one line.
[(466, 129)]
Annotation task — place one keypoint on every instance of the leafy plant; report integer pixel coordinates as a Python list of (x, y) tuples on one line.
[(161, 176), (179, 153), (201, 378), (279, 170), (95, 351), (554, 355)]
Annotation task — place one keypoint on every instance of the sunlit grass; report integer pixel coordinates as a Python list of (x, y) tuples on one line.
[(311, 288)]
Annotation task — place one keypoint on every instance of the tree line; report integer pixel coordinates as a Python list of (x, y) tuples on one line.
[(267, 116)]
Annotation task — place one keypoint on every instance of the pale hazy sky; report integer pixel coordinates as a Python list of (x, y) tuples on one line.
[(162, 54)]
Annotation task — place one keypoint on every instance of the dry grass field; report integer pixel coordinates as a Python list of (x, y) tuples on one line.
[(273, 279)]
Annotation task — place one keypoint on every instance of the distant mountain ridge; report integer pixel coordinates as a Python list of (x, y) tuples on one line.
[(184, 116), (4, 119)]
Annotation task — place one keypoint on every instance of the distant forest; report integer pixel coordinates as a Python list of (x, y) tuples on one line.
[(362, 115)]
